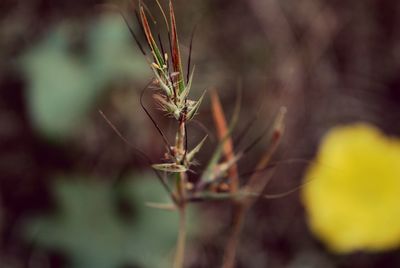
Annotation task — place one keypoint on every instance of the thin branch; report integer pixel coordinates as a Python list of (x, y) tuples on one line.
[(163, 14), (132, 32), (274, 164), (164, 137), (161, 45), (146, 8), (255, 141), (190, 54), (115, 129), (249, 124), (141, 154), (245, 130)]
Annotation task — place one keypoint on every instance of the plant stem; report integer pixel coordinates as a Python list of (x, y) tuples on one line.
[(256, 184), (181, 240), (180, 246), (233, 241)]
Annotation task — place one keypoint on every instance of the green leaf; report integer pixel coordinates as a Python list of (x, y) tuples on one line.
[(63, 86), (90, 230), (60, 90)]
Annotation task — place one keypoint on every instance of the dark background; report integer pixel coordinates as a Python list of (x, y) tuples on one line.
[(72, 192)]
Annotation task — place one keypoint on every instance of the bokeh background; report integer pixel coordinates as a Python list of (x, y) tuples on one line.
[(72, 193)]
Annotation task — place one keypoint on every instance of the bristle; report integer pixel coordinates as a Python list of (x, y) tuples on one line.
[(245, 130), (249, 124), (201, 126), (146, 8), (161, 46), (190, 54), (131, 31), (163, 14), (141, 28), (125, 140), (170, 44), (164, 137), (255, 141)]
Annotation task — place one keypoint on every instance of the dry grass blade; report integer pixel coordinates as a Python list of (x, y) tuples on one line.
[(150, 39), (222, 132), (276, 136), (146, 27), (176, 56), (207, 174)]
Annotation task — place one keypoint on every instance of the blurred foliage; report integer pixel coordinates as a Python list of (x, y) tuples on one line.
[(329, 62), (63, 85), (353, 194), (92, 231)]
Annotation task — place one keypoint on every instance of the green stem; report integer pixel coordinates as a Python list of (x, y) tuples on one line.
[(181, 179), (180, 245)]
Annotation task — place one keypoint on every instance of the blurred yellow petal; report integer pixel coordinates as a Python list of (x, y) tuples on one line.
[(353, 199)]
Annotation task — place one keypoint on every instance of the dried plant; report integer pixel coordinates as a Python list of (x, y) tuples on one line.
[(220, 179)]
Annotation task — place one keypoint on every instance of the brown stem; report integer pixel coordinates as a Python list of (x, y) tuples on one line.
[(256, 184), (233, 241)]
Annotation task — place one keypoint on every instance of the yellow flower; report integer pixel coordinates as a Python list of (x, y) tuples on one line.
[(353, 197)]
